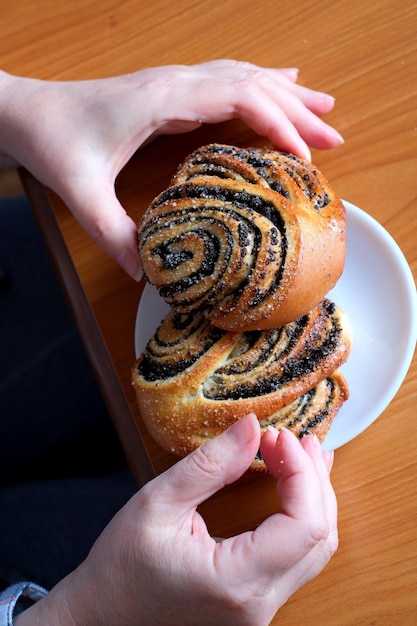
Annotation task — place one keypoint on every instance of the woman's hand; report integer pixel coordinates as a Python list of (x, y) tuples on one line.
[(156, 563), (76, 136)]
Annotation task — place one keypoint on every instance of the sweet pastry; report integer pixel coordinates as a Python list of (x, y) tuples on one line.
[(244, 245), (251, 238), (193, 379)]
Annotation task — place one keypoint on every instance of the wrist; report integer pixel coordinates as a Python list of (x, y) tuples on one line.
[(69, 602)]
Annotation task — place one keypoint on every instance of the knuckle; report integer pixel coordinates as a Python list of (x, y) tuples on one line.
[(100, 230), (252, 75), (320, 534), (204, 461), (318, 530)]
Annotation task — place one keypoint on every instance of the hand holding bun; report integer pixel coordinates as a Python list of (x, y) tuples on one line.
[(253, 238)]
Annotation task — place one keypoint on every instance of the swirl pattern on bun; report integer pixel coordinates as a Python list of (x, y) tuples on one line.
[(193, 379), (251, 238)]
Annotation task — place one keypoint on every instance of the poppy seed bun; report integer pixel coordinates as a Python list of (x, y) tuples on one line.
[(252, 238), (193, 380)]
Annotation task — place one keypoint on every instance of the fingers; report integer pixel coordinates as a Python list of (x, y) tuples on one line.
[(290, 72), (325, 546), (261, 113), (315, 132), (289, 116), (100, 213), (300, 473), (212, 466), (308, 521), (302, 470), (317, 102), (268, 100)]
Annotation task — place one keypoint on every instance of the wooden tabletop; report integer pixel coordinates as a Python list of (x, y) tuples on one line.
[(365, 54)]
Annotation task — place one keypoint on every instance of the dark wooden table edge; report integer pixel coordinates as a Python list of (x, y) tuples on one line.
[(89, 330)]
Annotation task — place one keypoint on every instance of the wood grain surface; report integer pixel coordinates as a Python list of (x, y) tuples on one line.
[(365, 54)]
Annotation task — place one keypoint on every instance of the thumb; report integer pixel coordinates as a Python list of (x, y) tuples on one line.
[(210, 467), (95, 206)]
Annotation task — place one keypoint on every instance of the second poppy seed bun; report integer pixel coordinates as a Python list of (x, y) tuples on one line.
[(193, 380)]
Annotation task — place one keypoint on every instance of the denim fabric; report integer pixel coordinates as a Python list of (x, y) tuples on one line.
[(16, 599)]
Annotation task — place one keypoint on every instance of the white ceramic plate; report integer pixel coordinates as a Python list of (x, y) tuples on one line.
[(378, 293)]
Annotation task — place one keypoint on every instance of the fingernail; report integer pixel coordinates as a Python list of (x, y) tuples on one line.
[(328, 457), (305, 153), (131, 264), (287, 430), (339, 137), (241, 432), (294, 71)]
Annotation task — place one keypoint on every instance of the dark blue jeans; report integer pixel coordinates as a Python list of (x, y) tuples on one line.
[(62, 471)]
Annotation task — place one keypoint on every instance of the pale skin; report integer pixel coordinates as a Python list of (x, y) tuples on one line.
[(156, 563), (75, 137)]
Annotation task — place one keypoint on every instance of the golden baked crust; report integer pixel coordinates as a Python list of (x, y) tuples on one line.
[(253, 238), (193, 380)]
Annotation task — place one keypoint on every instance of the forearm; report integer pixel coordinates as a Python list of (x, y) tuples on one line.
[(26, 108), (16, 121)]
